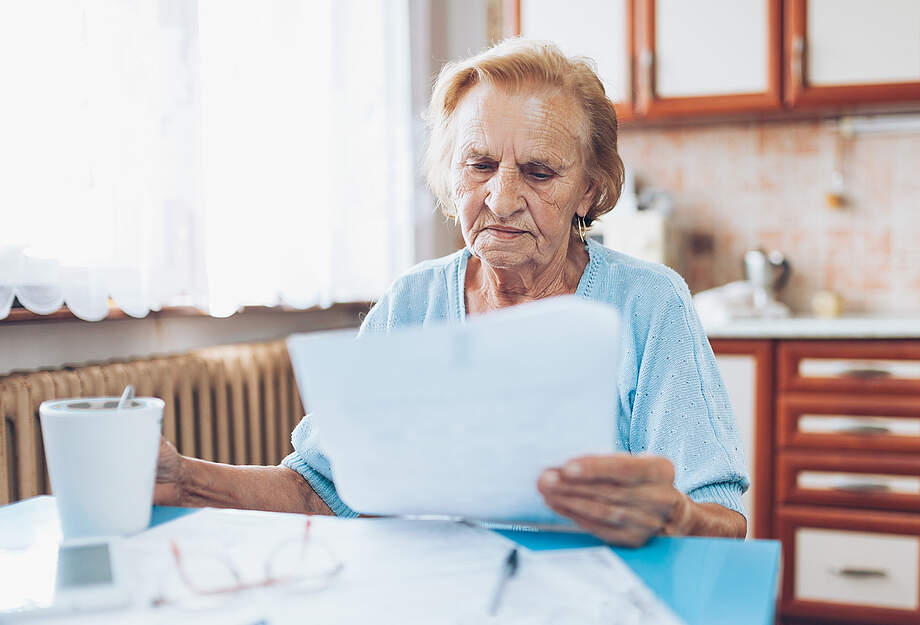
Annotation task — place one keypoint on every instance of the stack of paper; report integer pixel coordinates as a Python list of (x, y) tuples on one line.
[(395, 571)]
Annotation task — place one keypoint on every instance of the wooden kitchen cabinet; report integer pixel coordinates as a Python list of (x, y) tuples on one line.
[(670, 59), (859, 367), (853, 480), (747, 372), (848, 566), (717, 56), (834, 441), (833, 421), (650, 55), (841, 53), (601, 30)]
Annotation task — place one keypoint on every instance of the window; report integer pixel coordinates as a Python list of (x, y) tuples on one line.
[(217, 153)]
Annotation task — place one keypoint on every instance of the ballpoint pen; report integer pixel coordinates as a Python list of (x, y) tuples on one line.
[(509, 568)]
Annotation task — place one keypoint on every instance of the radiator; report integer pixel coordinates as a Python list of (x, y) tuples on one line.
[(235, 404)]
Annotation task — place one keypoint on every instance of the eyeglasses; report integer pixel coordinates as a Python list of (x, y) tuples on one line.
[(297, 564)]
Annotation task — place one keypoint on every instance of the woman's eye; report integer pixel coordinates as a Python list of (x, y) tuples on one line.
[(482, 166), (540, 175)]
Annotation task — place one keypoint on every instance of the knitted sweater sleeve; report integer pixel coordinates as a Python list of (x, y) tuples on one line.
[(680, 409), (308, 458)]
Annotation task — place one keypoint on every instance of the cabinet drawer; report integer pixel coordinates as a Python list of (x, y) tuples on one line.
[(850, 366), (859, 422), (850, 566), (889, 482), (862, 568)]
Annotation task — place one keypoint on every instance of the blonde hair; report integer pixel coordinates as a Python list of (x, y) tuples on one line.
[(517, 63)]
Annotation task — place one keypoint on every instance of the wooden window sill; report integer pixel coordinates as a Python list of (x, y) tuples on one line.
[(22, 315)]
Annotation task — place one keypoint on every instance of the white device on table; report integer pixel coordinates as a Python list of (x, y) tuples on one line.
[(461, 419), (79, 575)]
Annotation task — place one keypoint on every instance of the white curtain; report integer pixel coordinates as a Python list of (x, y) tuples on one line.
[(215, 153)]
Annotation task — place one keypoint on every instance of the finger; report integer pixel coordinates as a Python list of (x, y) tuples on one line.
[(623, 469), (625, 536), (658, 499), (607, 514)]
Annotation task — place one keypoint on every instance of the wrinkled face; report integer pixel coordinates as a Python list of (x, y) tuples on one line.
[(517, 174)]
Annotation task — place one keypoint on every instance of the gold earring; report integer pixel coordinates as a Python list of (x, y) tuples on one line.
[(456, 219), (582, 228)]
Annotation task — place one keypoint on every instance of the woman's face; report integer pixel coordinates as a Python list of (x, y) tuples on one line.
[(517, 174)]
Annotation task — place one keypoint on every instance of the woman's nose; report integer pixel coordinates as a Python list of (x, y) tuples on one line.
[(504, 198)]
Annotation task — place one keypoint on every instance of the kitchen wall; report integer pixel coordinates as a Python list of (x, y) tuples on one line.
[(745, 185)]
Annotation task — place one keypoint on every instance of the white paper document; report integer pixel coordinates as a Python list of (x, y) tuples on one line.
[(461, 419), (395, 571), (582, 586)]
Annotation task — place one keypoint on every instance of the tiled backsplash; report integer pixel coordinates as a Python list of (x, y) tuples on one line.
[(742, 186)]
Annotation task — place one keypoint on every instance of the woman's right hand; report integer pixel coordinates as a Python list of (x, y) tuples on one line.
[(168, 491)]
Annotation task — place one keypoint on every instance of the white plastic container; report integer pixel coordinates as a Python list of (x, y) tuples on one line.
[(102, 462)]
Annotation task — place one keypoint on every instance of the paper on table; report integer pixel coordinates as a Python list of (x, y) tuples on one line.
[(402, 571), (606, 590), (584, 586), (372, 550), (461, 419)]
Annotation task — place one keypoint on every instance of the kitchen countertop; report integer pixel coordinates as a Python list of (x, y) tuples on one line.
[(846, 327)]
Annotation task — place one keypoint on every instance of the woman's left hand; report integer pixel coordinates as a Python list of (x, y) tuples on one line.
[(621, 499)]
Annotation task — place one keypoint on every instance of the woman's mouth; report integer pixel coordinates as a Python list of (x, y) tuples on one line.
[(503, 232)]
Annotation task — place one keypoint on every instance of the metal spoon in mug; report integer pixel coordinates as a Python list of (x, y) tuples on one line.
[(126, 396)]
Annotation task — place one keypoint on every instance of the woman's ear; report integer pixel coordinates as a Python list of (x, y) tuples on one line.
[(584, 205)]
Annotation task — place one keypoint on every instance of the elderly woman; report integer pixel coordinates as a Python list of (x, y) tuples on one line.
[(523, 157)]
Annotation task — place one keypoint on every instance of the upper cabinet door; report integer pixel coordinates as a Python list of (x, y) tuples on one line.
[(707, 56), (846, 52), (598, 29)]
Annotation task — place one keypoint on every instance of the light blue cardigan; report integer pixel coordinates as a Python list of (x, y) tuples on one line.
[(672, 401)]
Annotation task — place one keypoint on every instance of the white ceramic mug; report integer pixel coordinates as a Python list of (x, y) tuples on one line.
[(102, 462)]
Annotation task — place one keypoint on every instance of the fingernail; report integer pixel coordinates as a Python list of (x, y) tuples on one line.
[(572, 469), (550, 477)]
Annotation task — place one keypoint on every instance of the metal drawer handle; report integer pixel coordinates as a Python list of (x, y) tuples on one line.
[(864, 430), (855, 572), (863, 487), (866, 373)]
